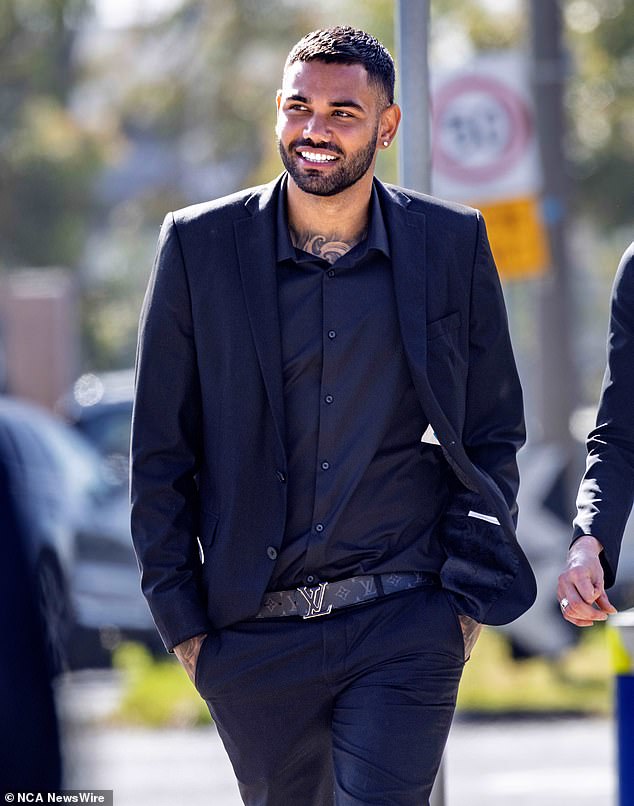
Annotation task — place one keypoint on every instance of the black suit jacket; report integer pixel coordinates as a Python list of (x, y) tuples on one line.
[(208, 448), (606, 492)]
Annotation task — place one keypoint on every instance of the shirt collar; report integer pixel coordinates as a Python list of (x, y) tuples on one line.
[(376, 238)]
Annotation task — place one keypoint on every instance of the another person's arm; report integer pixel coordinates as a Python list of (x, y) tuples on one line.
[(606, 491)]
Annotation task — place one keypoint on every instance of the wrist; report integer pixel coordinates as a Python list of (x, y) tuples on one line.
[(588, 542), (189, 644)]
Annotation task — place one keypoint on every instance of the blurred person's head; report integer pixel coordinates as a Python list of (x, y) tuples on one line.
[(335, 109)]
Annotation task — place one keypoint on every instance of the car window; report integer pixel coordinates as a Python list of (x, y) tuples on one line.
[(73, 459), (109, 430), (31, 450)]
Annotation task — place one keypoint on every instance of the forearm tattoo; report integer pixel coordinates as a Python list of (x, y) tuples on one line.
[(471, 629), (187, 654)]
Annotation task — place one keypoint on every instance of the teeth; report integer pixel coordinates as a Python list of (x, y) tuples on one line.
[(310, 155)]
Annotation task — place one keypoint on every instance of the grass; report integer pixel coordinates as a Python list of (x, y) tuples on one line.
[(580, 681), (158, 693)]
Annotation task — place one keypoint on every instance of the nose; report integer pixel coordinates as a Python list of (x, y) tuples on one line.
[(317, 128)]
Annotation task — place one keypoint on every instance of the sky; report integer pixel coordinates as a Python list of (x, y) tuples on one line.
[(121, 13)]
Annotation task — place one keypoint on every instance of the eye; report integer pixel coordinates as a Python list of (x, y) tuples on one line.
[(341, 113), (297, 108)]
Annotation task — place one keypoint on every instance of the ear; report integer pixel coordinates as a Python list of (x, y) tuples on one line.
[(390, 119), (278, 106)]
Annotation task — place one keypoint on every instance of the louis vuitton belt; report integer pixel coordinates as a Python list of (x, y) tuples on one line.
[(322, 599)]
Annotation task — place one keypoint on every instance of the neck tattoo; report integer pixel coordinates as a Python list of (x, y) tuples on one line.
[(327, 247)]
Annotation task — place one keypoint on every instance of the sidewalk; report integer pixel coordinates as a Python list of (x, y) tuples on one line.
[(487, 764)]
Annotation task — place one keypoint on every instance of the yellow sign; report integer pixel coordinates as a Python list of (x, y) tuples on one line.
[(517, 236)]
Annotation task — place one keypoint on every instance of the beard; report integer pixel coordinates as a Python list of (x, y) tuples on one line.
[(342, 176)]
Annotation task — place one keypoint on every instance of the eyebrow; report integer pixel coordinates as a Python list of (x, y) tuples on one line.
[(336, 104)]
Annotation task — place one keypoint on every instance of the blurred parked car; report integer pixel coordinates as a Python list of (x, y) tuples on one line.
[(75, 516), (100, 406)]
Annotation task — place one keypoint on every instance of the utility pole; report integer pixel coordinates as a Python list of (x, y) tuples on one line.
[(558, 387), (412, 26), (414, 163)]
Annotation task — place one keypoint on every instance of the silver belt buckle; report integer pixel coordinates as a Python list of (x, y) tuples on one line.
[(314, 598)]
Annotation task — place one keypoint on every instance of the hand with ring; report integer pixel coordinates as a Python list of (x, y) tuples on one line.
[(580, 591)]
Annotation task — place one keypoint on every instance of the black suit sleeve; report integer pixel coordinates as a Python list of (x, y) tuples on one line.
[(606, 492), (166, 448)]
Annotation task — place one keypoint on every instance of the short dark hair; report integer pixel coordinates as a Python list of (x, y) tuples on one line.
[(346, 45)]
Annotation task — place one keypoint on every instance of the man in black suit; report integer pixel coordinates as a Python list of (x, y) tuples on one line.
[(326, 421), (606, 491)]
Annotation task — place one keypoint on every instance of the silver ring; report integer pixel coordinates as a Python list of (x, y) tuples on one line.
[(564, 604)]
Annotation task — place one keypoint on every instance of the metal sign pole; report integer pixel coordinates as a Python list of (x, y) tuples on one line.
[(412, 25)]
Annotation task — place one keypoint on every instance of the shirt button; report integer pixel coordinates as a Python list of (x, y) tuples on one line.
[(329, 399), (281, 476), (332, 334), (319, 527), (331, 272), (325, 465), (310, 579), (271, 553)]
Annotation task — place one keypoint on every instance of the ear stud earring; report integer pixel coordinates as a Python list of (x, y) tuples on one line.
[(386, 143)]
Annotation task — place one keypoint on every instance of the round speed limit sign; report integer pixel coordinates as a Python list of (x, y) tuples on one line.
[(481, 128)]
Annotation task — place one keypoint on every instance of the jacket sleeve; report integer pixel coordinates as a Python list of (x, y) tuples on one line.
[(494, 419), (606, 491), (485, 571), (165, 449)]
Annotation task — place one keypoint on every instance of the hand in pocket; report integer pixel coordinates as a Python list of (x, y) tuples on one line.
[(471, 630)]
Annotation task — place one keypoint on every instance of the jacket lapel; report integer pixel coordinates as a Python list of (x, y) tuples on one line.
[(255, 240), (408, 235), (406, 230)]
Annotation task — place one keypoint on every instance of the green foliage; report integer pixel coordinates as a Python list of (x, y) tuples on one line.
[(36, 41), (219, 81), (47, 161), (157, 693), (578, 682), (601, 106), (49, 164), (488, 28)]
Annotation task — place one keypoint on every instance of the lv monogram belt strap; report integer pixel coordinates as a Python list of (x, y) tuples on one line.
[(322, 599)]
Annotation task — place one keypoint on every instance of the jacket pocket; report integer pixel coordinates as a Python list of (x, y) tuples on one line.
[(440, 327), (480, 564), (202, 680), (208, 526), (482, 517)]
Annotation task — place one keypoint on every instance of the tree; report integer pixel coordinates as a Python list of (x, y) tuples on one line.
[(601, 103), (47, 160)]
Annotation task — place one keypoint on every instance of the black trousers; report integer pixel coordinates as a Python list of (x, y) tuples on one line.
[(351, 708)]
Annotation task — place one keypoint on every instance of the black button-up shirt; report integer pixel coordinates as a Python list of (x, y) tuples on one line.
[(364, 494)]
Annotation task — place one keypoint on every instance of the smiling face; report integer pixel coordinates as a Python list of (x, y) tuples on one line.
[(328, 124)]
